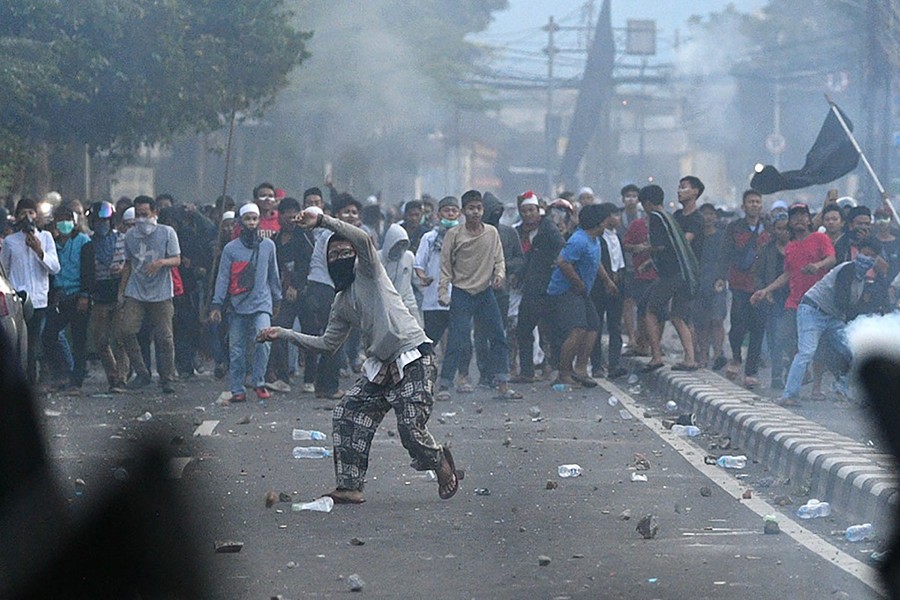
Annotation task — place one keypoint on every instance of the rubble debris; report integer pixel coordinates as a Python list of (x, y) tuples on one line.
[(705, 491), (228, 547), (543, 560), (355, 583), (647, 527)]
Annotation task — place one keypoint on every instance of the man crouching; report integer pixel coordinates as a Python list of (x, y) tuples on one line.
[(398, 373)]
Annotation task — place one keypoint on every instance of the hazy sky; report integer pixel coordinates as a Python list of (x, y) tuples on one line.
[(517, 31)]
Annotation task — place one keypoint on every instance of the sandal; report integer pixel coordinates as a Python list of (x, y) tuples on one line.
[(650, 367), (443, 396), (340, 498), (448, 488), (584, 380), (684, 367), (509, 394), (465, 388)]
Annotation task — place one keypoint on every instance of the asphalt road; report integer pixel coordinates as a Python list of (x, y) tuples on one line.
[(415, 545)]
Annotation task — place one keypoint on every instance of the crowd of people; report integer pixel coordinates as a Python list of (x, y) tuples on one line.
[(526, 290)]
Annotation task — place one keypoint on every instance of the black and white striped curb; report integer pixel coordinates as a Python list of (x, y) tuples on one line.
[(855, 478)]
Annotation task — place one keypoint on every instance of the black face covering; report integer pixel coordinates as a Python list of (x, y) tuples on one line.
[(342, 272), (249, 237)]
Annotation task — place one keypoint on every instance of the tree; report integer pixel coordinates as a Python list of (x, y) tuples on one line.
[(118, 74)]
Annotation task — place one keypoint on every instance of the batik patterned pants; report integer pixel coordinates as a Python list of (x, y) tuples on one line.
[(363, 407)]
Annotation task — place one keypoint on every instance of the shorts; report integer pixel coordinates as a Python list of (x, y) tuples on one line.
[(571, 311), (638, 290), (672, 295)]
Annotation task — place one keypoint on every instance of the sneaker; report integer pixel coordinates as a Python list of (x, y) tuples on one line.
[(140, 381), (308, 388), (241, 397), (262, 393), (278, 386), (167, 387)]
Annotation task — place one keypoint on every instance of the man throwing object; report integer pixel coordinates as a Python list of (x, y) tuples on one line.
[(398, 373)]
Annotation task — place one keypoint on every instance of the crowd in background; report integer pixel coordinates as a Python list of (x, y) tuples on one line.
[(528, 289)]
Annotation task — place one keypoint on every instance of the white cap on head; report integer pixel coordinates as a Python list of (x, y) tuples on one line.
[(249, 208), (779, 204), (585, 190), (128, 215), (228, 214)]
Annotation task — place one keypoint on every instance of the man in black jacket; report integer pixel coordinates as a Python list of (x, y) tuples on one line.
[(540, 242)]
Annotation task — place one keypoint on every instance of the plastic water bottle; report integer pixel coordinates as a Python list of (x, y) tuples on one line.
[(732, 462), (562, 387), (858, 533), (612, 401), (814, 509), (311, 452), (686, 430), (300, 435), (566, 471), (671, 406), (323, 504)]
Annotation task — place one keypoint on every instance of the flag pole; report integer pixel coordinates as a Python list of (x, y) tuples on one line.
[(884, 195)]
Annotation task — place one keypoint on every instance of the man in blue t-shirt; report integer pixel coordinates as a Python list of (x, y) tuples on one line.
[(569, 291)]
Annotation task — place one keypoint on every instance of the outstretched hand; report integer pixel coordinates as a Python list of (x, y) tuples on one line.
[(269, 334)]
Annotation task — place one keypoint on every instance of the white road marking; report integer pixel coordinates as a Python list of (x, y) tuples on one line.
[(205, 428), (734, 488)]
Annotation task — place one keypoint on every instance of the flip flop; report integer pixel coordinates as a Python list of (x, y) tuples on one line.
[(650, 367), (343, 499), (465, 388), (455, 479), (509, 395), (584, 381)]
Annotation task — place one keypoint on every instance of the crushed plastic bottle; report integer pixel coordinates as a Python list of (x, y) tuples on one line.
[(625, 414), (299, 435), (858, 533), (613, 401), (145, 417), (686, 430), (813, 509), (323, 504), (671, 406), (311, 452), (572, 470), (732, 462), (638, 477), (633, 379), (562, 387)]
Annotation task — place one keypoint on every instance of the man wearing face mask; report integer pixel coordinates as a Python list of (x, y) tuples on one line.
[(826, 308), (70, 304), (248, 280), (146, 291), (428, 269), (102, 264), (399, 370), (29, 258)]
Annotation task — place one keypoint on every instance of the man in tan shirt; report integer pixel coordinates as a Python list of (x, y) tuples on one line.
[(472, 260)]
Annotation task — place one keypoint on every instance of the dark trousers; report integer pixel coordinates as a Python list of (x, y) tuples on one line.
[(531, 314), (746, 318), (436, 323), (186, 333), (279, 367), (483, 308), (65, 314), (774, 315), (328, 370), (483, 348), (608, 308), (35, 331)]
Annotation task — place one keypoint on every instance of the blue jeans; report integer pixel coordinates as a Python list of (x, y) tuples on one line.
[(242, 330), (483, 307), (812, 324)]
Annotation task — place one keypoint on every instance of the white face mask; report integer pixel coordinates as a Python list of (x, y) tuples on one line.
[(146, 225)]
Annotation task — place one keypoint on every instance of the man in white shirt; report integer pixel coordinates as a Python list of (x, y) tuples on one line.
[(29, 258), (607, 293)]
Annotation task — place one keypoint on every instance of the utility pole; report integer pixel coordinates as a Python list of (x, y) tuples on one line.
[(550, 130)]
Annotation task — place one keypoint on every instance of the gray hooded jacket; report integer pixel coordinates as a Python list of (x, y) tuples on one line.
[(398, 261)]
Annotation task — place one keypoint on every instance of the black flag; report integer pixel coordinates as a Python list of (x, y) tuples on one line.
[(831, 156)]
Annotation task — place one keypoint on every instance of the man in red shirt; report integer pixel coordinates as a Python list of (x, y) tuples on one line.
[(807, 258), (637, 243), (264, 198)]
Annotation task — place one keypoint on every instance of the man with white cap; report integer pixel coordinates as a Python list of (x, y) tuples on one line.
[(248, 279), (585, 196)]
